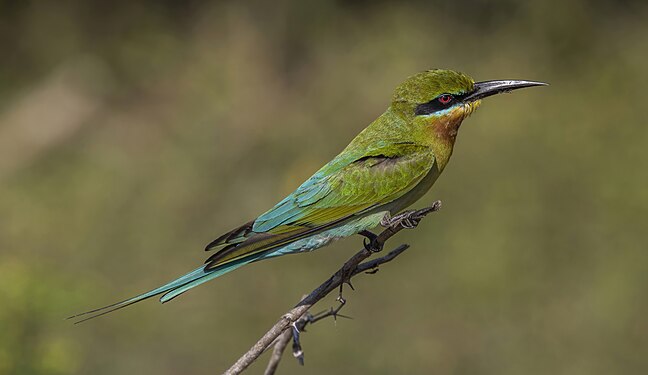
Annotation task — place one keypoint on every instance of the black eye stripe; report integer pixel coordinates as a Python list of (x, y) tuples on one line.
[(435, 105), (432, 106)]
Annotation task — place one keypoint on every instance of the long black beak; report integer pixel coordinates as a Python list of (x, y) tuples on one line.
[(488, 88)]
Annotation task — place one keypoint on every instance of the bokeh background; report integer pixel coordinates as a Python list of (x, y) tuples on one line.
[(133, 133)]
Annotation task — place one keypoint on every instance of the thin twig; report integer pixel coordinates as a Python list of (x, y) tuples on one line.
[(280, 345), (351, 267), (300, 326), (277, 352), (297, 328)]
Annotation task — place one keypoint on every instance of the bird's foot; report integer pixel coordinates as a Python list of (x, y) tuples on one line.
[(409, 219), (371, 242), (406, 219)]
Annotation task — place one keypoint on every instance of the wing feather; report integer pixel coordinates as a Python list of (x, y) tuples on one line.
[(327, 199)]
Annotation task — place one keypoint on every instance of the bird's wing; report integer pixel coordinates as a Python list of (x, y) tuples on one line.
[(331, 196)]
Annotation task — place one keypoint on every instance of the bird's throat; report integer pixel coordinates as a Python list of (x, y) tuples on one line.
[(443, 129), (442, 133)]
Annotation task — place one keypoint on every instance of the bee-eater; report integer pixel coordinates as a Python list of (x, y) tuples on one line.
[(387, 167)]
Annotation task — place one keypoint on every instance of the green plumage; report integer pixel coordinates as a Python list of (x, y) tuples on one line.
[(387, 167), (380, 166)]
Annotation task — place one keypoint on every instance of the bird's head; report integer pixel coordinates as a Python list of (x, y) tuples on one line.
[(439, 100)]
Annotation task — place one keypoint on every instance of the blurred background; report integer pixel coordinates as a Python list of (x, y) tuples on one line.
[(133, 133)]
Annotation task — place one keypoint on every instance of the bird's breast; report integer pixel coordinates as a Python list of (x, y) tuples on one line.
[(417, 191)]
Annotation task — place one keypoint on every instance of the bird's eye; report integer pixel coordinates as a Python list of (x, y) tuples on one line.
[(445, 99)]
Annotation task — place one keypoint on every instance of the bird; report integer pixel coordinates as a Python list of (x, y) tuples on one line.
[(387, 167)]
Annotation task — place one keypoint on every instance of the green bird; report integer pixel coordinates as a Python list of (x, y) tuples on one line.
[(387, 167)]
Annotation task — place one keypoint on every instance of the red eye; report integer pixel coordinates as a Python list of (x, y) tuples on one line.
[(445, 99)]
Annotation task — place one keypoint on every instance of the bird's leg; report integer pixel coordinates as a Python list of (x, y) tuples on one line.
[(371, 241)]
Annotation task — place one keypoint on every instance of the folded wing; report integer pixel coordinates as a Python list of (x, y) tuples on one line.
[(335, 194)]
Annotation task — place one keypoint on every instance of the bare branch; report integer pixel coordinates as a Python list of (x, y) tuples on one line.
[(351, 267), (277, 352)]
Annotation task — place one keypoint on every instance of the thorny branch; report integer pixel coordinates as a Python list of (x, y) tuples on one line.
[(289, 324)]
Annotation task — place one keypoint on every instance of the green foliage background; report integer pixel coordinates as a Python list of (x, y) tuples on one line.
[(132, 133)]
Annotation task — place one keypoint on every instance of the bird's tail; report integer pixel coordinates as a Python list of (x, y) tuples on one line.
[(169, 290)]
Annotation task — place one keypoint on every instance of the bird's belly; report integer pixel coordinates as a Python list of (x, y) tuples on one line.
[(322, 239)]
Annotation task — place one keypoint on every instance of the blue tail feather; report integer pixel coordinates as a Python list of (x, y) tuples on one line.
[(209, 275), (170, 290)]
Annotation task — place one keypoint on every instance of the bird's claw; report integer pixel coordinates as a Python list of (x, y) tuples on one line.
[(372, 246), (407, 219), (370, 242)]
